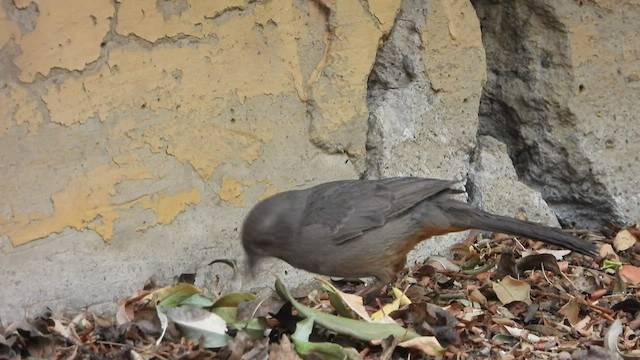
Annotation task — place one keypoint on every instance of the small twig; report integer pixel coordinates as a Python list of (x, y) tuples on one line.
[(111, 343), (544, 273), (569, 280), (604, 312)]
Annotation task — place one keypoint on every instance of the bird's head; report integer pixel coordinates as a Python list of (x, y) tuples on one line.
[(269, 228)]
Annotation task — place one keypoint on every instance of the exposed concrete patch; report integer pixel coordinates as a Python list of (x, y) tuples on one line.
[(170, 8), (10, 28)]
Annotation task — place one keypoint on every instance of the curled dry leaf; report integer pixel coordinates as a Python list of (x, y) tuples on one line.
[(571, 312), (547, 262), (381, 315), (611, 337), (522, 334)]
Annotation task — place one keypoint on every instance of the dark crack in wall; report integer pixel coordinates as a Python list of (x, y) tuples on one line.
[(525, 105)]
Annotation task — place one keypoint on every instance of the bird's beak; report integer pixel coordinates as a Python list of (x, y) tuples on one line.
[(252, 262)]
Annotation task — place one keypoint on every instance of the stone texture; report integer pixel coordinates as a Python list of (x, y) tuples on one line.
[(562, 93), (424, 92), (494, 185)]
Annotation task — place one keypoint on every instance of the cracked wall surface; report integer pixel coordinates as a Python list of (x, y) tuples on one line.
[(152, 126), (171, 81)]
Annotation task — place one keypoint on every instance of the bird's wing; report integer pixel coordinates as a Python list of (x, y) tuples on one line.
[(343, 210)]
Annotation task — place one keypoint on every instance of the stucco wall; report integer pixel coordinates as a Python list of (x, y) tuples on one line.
[(135, 135)]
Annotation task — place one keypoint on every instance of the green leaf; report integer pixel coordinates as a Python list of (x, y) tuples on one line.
[(197, 300), (610, 264), (354, 328), (172, 296), (234, 299), (325, 350), (303, 330), (336, 302), (254, 328)]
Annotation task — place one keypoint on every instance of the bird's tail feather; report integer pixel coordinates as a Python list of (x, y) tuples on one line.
[(465, 216)]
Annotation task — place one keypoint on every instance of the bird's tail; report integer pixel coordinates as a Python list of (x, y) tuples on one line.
[(463, 215)]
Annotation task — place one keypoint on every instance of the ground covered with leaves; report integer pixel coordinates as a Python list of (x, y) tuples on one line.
[(494, 298)]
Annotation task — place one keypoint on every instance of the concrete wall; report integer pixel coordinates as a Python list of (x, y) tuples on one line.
[(135, 135)]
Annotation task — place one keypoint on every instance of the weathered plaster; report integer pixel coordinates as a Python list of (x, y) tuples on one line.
[(85, 203), (452, 48), (184, 101), (63, 38), (9, 30), (142, 18), (232, 191), (340, 94)]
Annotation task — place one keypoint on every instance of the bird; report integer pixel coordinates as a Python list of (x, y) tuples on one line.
[(365, 228)]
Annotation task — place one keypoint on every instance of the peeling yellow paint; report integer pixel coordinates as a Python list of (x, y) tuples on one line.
[(452, 46), (167, 207), (63, 38), (142, 18), (77, 205), (231, 191), (340, 95), (85, 203), (178, 97), (57, 102), (385, 11), (243, 63)]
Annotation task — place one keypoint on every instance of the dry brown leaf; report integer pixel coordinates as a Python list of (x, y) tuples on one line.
[(427, 344), (624, 240), (510, 289), (571, 312), (630, 274), (284, 350), (478, 297), (607, 252)]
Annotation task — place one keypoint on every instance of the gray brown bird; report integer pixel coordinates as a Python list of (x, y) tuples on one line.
[(365, 228)]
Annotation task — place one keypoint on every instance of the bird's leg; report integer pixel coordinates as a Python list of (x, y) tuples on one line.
[(371, 292)]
